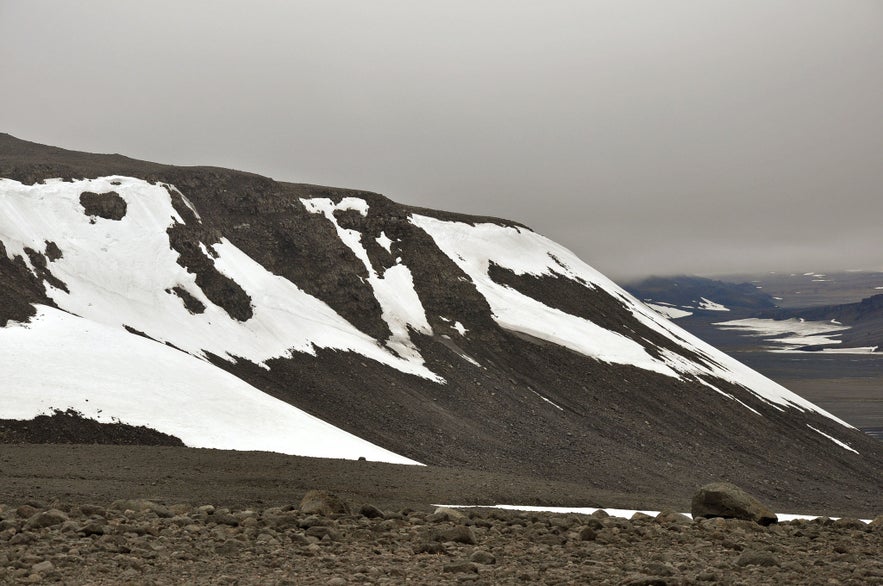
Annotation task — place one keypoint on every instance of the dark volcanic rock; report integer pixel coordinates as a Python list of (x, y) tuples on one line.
[(109, 205), (70, 427), (218, 287), (192, 304), (757, 558), (722, 499)]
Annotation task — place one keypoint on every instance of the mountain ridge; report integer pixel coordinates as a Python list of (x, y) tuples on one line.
[(516, 396)]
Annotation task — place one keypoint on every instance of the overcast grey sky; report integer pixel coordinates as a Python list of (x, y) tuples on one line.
[(648, 136)]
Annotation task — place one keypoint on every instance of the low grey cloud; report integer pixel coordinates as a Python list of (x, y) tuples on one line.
[(649, 137)]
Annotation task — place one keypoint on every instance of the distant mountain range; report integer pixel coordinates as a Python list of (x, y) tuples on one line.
[(701, 294), (232, 311), (755, 309)]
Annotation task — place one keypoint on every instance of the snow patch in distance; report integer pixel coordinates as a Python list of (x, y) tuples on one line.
[(788, 334), (668, 311), (709, 305)]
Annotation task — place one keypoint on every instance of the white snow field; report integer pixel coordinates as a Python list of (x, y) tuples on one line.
[(60, 361), (474, 246), (119, 272)]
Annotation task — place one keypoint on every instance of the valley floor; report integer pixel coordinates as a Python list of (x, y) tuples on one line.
[(252, 532)]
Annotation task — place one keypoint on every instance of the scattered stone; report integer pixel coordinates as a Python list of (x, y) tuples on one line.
[(447, 514), (26, 511), (43, 567), (479, 556), (46, 519), (321, 532), (461, 567), (722, 499), (323, 503), (849, 523), (432, 547), (22, 538), (644, 580), (228, 547), (659, 569), (94, 527), (457, 534), (282, 545), (673, 518), (371, 512), (142, 506), (549, 539), (757, 558), (587, 534), (91, 510)]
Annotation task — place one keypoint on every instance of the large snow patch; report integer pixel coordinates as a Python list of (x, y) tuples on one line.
[(61, 361)]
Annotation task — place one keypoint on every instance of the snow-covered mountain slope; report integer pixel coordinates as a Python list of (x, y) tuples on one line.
[(107, 374), (125, 273), (443, 338)]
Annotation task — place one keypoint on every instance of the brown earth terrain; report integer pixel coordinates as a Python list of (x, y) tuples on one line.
[(102, 514)]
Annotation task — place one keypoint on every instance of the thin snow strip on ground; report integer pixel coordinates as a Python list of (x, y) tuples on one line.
[(394, 290), (624, 513), (472, 247), (61, 361), (843, 445), (120, 273), (856, 350)]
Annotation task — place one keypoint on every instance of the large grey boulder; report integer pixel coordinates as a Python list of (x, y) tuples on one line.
[(722, 499)]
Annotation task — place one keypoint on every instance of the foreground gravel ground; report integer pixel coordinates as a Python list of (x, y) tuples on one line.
[(215, 517), (142, 542)]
